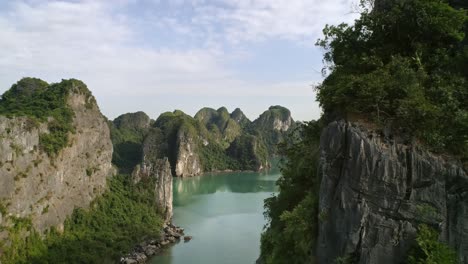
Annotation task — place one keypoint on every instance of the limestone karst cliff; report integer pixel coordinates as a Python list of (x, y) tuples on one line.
[(212, 140), (127, 133), (44, 186), (159, 172), (376, 190)]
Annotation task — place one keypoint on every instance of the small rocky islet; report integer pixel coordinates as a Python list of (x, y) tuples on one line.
[(145, 250)]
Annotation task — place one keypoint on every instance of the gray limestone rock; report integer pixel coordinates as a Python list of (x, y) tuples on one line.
[(47, 189), (374, 193), (160, 170)]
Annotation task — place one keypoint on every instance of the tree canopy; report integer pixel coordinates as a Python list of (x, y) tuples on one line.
[(403, 64)]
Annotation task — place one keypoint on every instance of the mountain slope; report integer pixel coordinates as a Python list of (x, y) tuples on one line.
[(43, 182)]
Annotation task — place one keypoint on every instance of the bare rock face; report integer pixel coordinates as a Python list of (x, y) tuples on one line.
[(160, 170), (187, 157), (276, 118), (46, 189), (375, 192)]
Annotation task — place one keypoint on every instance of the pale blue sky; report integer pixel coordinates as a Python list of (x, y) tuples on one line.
[(161, 55)]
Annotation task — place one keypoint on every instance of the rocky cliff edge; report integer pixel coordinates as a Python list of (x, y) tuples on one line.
[(375, 192)]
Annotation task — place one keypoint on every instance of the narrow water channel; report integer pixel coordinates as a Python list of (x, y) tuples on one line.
[(223, 213)]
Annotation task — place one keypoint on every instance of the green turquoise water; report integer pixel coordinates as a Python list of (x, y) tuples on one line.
[(224, 214)]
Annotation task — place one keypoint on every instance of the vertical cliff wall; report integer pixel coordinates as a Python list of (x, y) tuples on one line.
[(375, 192), (156, 168), (158, 171), (44, 188)]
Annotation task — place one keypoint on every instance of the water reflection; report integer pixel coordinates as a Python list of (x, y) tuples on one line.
[(243, 182), (223, 213)]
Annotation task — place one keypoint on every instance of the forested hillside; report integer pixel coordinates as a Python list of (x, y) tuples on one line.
[(212, 140), (399, 76)]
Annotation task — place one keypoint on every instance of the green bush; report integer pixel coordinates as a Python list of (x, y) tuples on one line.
[(290, 234), (39, 101), (429, 250), (404, 65), (112, 225)]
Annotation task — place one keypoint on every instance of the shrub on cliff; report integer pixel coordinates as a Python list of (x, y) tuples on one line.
[(428, 249), (113, 224), (405, 64), (292, 215), (34, 98)]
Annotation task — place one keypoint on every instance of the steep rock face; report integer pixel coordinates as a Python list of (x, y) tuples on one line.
[(160, 171), (272, 125), (276, 118), (375, 192), (46, 189), (187, 157)]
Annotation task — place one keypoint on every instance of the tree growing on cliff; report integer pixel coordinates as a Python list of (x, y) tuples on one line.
[(428, 250), (289, 237), (403, 64)]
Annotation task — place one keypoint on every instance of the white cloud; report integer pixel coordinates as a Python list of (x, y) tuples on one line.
[(252, 20), (105, 45)]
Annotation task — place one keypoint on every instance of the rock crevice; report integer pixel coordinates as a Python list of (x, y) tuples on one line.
[(375, 192)]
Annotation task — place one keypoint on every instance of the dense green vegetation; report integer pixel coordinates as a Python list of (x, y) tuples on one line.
[(39, 101), (429, 250), (115, 222), (218, 139), (127, 134), (262, 127), (127, 147), (404, 65), (249, 152), (292, 214)]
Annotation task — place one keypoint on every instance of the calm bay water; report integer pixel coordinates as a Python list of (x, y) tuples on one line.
[(223, 213)]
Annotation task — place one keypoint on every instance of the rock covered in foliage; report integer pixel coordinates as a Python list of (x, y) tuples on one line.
[(127, 133), (276, 118), (44, 180), (375, 191), (212, 140), (142, 252), (137, 121), (158, 170), (250, 152), (239, 116), (220, 124), (273, 125)]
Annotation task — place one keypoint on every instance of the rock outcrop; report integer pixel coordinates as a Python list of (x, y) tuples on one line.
[(158, 170), (220, 124), (187, 157), (375, 191), (239, 116), (145, 250), (213, 140), (46, 188), (276, 118), (135, 121)]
